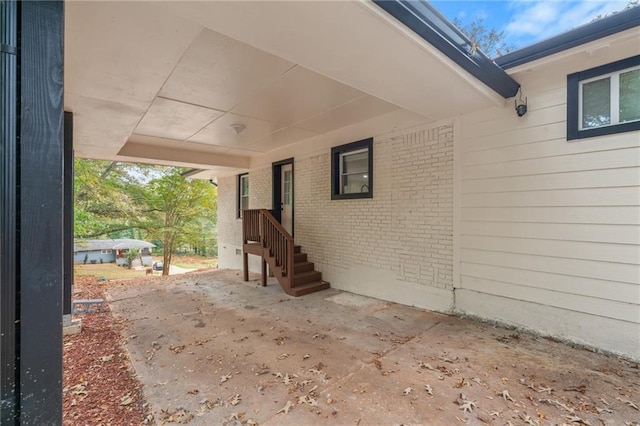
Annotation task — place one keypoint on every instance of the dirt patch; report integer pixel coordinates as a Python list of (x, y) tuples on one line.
[(99, 385)]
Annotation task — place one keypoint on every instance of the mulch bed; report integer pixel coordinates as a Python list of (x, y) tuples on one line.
[(100, 388)]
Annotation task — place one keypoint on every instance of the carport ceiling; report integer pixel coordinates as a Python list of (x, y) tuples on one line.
[(165, 82)]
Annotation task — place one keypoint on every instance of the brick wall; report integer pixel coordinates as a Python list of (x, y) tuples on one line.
[(260, 196), (229, 226), (396, 246), (406, 228)]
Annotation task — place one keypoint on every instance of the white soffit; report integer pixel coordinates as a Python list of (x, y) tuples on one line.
[(219, 72), (220, 133), (353, 42), (176, 120), (163, 80)]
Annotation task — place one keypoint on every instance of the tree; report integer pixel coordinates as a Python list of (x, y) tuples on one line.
[(122, 200), (176, 207), (489, 40), (132, 255), (104, 201)]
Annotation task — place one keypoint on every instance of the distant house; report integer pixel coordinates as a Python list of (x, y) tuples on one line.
[(110, 251)]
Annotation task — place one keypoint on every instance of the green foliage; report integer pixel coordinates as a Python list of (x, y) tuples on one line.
[(153, 203), (488, 40), (132, 255), (182, 212)]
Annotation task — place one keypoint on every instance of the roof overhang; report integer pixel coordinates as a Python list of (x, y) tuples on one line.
[(163, 82), (595, 31)]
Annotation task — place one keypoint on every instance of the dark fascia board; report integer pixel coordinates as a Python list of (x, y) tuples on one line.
[(424, 20), (190, 172), (595, 30)]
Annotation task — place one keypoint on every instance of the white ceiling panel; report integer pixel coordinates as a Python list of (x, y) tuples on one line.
[(177, 144), (360, 109), (101, 124), (220, 132), (295, 96), (281, 138), (175, 120), (122, 51), (220, 72)]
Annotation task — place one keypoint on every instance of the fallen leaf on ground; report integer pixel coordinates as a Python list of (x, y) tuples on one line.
[(629, 403), (505, 395), (289, 405), (576, 419), (468, 406), (234, 400)]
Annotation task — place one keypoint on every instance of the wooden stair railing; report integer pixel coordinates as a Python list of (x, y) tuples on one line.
[(264, 236)]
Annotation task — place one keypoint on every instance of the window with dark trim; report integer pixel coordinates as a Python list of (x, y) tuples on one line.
[(243, 193), (352, 170), (604, 100)]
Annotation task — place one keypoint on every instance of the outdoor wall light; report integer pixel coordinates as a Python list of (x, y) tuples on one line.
[(521, 106)]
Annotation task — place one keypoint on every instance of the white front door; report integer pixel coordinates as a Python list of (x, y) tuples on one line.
[(286, 218)]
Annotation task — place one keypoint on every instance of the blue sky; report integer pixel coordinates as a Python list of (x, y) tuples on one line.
[(528, 21)]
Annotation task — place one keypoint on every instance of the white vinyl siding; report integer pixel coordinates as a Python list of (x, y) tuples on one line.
[(550, 226)]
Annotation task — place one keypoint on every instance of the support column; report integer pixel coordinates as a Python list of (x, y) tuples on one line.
[(31, 225), (264, 271), (245, 266), (68, 218), (8, 210)]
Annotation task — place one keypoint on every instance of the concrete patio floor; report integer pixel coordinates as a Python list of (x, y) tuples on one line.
[(211, 349)]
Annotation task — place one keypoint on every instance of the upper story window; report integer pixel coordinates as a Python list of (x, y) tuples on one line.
[(243, 193), (604, 100), (352, 170)]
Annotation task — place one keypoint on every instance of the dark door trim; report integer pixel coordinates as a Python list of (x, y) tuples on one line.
[(276, 192)]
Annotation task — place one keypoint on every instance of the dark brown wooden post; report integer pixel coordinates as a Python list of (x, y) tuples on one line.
[(245, 266), (264, 272)]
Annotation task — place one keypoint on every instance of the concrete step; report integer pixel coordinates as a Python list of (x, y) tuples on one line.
[(311, 287), (306, 277), (302, 267)]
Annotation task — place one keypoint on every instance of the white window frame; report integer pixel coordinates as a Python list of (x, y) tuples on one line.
[(614, 106), (338, 154), (343, 155), (241, 195), (575, 85)]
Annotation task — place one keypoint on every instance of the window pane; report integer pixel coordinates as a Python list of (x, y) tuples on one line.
[(630, 96), (245, 185), (353, 163), (596, 103), (244, 203), (355, 184)]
